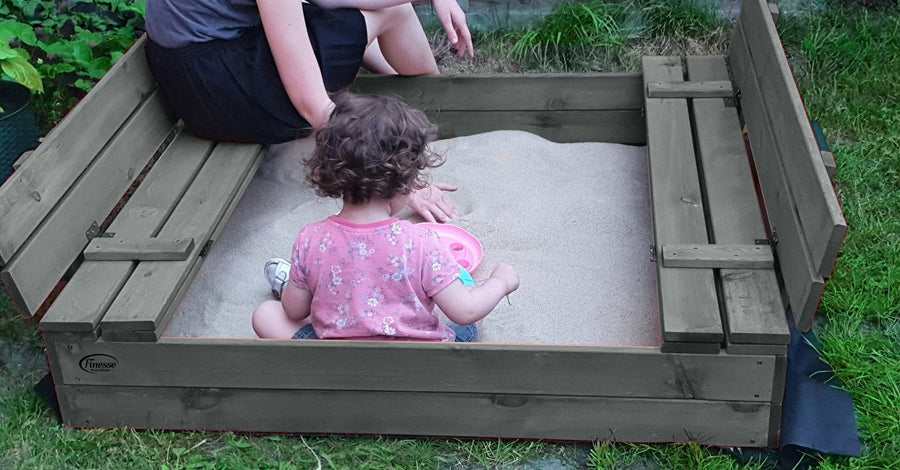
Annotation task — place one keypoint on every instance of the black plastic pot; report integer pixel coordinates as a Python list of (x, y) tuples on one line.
[(18, 130)]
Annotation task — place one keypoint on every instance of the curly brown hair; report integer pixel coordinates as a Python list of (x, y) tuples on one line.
[(373, 147)]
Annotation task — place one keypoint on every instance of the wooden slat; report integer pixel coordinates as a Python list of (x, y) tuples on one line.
[(756, 348), (425, 367), (822, 223), (691, 89), (37, 267), (829, 162), (95, 284), (718, 256), (754, 309), (689, 310), (188, 278), (510, 92), (33, 191), (143, 302), (624, 127), (416, 413), (804, 286), (147, 249)]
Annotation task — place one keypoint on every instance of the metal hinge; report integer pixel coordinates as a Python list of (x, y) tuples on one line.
[(772, 241), (94, 232), (735, 99)]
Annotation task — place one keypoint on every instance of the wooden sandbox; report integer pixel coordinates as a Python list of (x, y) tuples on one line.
[(746, 225)]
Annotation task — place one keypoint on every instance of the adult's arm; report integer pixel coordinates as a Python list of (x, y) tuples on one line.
[(285, 28)]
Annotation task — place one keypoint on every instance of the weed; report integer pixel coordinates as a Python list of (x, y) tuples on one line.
[(683, 18)]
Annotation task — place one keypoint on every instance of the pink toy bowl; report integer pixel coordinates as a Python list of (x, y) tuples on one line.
[(464, 246)]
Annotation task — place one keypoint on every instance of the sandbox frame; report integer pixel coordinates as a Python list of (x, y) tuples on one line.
[(736, 245)]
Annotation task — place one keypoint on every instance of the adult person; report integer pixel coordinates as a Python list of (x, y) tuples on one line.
[(261, 70)]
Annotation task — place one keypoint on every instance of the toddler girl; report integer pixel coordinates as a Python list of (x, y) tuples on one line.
[(364, 274)]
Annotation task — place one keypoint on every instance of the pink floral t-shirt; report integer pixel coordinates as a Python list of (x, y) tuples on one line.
[(373, 281)]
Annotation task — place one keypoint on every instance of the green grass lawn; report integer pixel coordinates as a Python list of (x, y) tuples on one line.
[(847, 64)]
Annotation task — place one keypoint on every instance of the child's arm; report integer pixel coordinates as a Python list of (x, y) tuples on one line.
[(465, 306), (296, 302)]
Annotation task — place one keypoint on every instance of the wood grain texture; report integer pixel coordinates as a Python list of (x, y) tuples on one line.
[(718, 256), (510, 92), (756, 348), (143, 302), (426, 367), (689, 309), (416, 413), (146, 249), (829, 162), (691, 89), (557, 107), (38, 266), (186, 281), (32, 192), (804, 286), (797, 153), (95, 284), (623, 127), (754, 309)]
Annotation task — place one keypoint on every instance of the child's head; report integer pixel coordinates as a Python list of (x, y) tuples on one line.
[(373, 147)]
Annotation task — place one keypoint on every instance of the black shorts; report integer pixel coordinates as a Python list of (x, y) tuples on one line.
[(229, 90)]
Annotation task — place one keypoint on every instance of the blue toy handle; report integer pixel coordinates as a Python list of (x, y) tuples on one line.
[(465, 277)]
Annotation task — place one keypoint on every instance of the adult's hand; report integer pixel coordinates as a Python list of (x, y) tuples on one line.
[(431, 203), (453, 19)]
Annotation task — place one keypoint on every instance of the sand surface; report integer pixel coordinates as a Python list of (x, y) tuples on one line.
[(573, 219)]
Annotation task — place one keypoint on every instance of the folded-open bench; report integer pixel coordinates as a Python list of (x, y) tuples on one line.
[(106, 223)]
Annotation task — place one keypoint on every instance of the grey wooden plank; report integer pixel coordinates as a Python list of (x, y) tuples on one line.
[(188, 279), (780, 378), (756, 348), (33, 191), (145, 249), (425, 367), (686, 347), (803, 285), (829, 162), (95, 284), (821, 219), (718, 256), (775, 415), (753, 305), (37, 267), (416, 413), (21, 160), (510, 92), (691, 89), (689, 310), (143, 301), (616, 126)]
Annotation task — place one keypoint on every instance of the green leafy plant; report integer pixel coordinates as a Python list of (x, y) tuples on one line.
[(14, 61), (71, 44)]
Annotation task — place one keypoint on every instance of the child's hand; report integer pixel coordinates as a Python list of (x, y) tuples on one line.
[(508, 275)]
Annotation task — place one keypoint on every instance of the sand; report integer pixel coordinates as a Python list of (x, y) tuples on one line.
[(573, 219)]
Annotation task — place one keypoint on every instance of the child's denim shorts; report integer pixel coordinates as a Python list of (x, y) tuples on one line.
[(464, 333)]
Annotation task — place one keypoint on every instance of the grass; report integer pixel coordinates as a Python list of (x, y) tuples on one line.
[(848, 68), (847, 64)]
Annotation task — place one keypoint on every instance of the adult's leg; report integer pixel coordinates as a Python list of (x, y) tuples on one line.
[(401, 40), (374, 61)]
